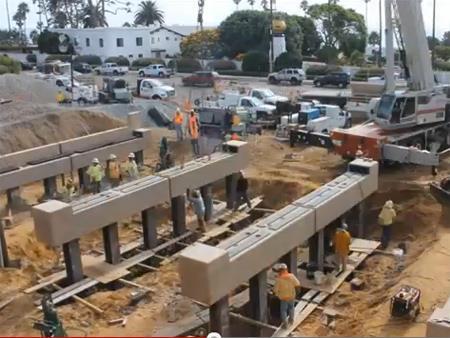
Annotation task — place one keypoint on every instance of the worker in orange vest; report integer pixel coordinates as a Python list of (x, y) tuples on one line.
[(234, 137), (178, 123), (194, 131)]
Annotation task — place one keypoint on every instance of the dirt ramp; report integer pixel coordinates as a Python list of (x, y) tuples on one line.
[(52, 127)]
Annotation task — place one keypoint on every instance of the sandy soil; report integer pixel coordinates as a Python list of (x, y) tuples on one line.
[(282, 174)]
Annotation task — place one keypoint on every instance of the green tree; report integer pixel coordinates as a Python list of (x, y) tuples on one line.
[(265, 4), (357, 58), (9, 37), (21, 19), (433, 42), (446, 39), (34, 35), (251, 3), (442, 52), (48, 42), (304, 5), (374, 38), (148, 14), (337, 25), (201, 44), (236, 2), (311, 37), (93, 15)]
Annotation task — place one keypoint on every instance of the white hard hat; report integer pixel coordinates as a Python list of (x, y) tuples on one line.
[(282, 266), (95, 160), (131, 155), (389, 204), (344, 226), (112, 157)]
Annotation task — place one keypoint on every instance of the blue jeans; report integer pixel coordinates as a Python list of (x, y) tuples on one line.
[(179, 130), (386, 236), (287, 310), (195, 147)]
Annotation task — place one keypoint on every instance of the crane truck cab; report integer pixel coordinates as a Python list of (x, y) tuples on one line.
[(154, 89)]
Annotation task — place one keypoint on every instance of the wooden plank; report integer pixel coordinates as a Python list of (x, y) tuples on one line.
[(103, 272), (298, 319), (364, 245), (135, 285), (252, 321), (47, 281), (7, 301)]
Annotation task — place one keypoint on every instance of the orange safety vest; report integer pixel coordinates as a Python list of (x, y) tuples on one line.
[(193, 127), (178, 119), (235, 137)]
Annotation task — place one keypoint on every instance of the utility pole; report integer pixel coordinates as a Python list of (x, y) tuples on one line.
[(271, 38), (7, 14), (367, 14), (380, 52), (433, 46)]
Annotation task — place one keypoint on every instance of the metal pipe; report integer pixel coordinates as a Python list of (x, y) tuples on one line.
[(389, 33), (433, 47), (271, 38), (380, 52)]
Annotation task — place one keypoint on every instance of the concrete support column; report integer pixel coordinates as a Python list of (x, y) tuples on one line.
[(361, 218), (13, 196), (206, 192), (313, 245), (82, 179), (219, 317), (4, 257), (139, 157), (179, 215), (230, 187), (149, 228), (50, 187), (111, 243), (72, 259), (258, 300), (320, 249), (290, 259)]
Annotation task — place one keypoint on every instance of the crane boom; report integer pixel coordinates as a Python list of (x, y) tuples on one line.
[(413, 33)]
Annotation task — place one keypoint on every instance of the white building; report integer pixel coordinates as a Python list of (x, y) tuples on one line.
[(131, 42)]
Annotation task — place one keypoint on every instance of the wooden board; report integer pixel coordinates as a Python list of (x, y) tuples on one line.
[(103, 272), (364, 245)]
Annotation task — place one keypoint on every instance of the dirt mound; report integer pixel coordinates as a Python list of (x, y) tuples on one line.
[(23, 87), (42, 125)]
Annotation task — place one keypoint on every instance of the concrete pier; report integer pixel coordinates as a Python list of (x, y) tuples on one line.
[(258, 300), (206, 192), (4, 257), (13, 197), (361, 219), (149, 228), (320, 249), (179, 215), (50, 187), (219, 317), (111, 243), (72, 259), (82, 179), (230, 189), (139, 157), (290, 259)]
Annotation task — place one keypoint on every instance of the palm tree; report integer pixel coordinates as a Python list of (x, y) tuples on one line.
[(148, 14), (237, 3), (265, 4), (93, 15)]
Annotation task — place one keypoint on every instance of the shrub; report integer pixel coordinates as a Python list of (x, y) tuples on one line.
[(314, 71), (442, 65), (93, 60), (144, 62), (364, 73), (288, 60), (327, 54), (58, 57), (357, 58), (222, 65), (31, 58), (255, 62), (185, 65), (3, 69), (120, 60), (9, 65)]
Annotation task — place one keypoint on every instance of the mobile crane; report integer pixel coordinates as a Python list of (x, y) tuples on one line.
[(410, 126)]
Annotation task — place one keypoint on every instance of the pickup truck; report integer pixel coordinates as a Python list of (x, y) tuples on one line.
[(154, 71), (111, 69), (154, 89), (254, 106), (267, 96)]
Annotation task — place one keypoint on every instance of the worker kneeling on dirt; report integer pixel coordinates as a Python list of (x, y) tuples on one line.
[(285, 289), (95, 173), (342, 240), (113, 171), (385, 220), (68, 191), (199, 208)]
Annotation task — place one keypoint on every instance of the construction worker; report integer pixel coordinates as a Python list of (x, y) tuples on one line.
[(113, 171), (342, 240), (385, 220), (241, 191), (285, 289), (95, 173), (60, 97), (196, 200), (68, 191), (234, 137), (178, 123), (194, 131), (132, 168)]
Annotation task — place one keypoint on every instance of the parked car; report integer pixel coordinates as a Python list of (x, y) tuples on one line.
[(111, 69), (339, 79), (202, 78), (154, 71), (82, 67), (154, 89), (27, 65), (295, 76)]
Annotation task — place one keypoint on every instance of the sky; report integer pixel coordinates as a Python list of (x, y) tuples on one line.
[(184, 12)]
